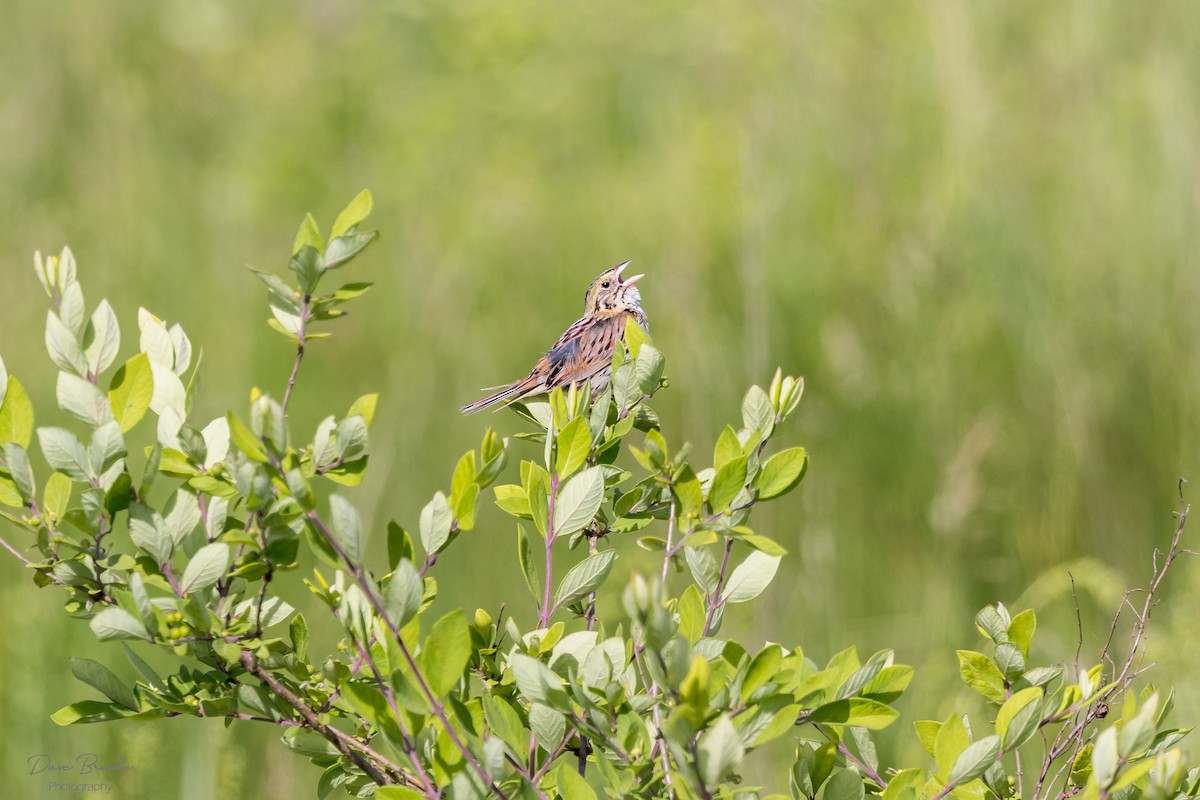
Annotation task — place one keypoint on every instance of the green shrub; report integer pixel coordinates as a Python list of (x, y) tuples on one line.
[(553, 699)]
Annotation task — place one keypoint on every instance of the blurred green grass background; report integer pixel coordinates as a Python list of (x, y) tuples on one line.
[(973, 228)]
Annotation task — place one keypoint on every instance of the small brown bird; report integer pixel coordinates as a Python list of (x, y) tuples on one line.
[(585, 350)]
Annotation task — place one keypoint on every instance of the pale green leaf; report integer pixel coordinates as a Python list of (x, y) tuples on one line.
[(578, 501), (206, 567), (750, 578), (584, 577)]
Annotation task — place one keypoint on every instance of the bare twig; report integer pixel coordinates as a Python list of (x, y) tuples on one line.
[(310, 717), (1072, 738), (301, 339)]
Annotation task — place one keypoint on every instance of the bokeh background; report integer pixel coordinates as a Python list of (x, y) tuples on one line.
[(973, 228)]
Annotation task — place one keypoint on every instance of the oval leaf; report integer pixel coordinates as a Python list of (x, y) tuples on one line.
[(782, 472), (578, 501), (584, 577), (975, 760), (205, 568), (750, 578)]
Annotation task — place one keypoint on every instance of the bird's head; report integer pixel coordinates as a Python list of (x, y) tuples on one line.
[(611, 295)]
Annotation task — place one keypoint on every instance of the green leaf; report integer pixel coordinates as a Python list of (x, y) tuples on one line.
[(574, 444), (702, 566), (635, 337), (727, 484), (245, 440), (355, 212), (205, 568), (446, 652), (105, 338), (689, 493), (927, 731), (308, 265), (584, 577), (106, 449), (513, 500), (951, 740), (890, 683), (1104, 757), (762, 669), (975, 760), (858, 712), (399, 544), (130, 391), (404, 594), (757, 413), (721, 750), (63, 346), (1020, 630), (782, 472), (537, 683), (308, 234), (397, 793), (102, 678), (1137, 734), (57, 495), (691, 614), (85, 712), (981, 674), (347, 527), (464, 492), (728, 448), (505, 722), (82, 400), (578, 501), (845, 784), (3, 381), (1019, 717), (141, 600), (71, 309), (648, 369), (148, 531), (525, 555), (21, 471), (182, 515), (993, 624), (570, 783), (763, 544), (750, 578), (298, 632), (435, 522), (344, 249), (117, 623), (547, 725), (16, 415), (145, 669), (64, 453), (1009, 660)]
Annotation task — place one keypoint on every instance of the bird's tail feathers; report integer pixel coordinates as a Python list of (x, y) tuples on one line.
[(508, 394)]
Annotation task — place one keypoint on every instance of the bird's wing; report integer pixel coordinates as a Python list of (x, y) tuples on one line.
[(585, 349)]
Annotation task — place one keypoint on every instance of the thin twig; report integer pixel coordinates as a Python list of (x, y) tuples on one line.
[(301, 338), (714, 599), (287, 695), (670, 536), (437, 707)]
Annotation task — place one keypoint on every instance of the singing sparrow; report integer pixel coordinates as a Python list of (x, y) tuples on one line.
[(585, 350)]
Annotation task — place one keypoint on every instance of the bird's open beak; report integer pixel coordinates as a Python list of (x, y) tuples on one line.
[(632, 279)]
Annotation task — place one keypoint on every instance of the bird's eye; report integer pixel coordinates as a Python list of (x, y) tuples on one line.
[(605, 284)]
